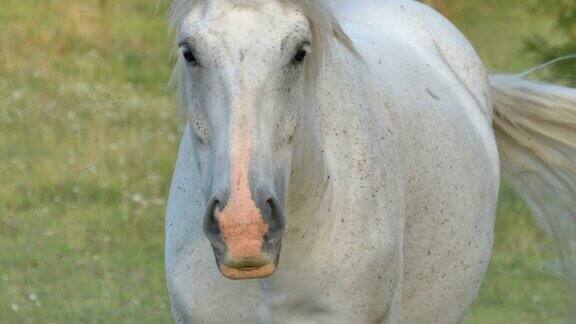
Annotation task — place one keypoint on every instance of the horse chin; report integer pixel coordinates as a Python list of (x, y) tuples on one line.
[(248, 271), (256, 260)]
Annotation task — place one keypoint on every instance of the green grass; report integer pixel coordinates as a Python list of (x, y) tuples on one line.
[(87, 146), (88, 140)]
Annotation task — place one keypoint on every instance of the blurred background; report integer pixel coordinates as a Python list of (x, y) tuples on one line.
[(88, 141)]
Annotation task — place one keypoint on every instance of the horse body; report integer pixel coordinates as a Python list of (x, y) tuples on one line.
[(449, 154), (391, 201)]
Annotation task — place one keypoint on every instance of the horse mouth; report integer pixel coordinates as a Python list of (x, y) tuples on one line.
[(248, 268)]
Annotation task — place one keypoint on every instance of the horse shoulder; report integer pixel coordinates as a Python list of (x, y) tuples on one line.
[(401, 25), (459, 54)]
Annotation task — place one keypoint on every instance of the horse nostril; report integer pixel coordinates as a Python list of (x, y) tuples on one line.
[(267, 211), (211, 225), (272, 214)]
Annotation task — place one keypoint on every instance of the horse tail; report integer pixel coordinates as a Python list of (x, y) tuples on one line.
[(535, 127)]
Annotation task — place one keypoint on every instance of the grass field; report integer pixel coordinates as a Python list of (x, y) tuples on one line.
[(88, 140)]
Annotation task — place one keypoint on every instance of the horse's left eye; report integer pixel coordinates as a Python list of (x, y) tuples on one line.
[(300, 55)]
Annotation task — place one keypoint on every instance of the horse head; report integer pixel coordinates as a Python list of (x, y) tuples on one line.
[(243, 67)]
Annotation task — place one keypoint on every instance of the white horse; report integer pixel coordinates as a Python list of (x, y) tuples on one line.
[(365, 139)]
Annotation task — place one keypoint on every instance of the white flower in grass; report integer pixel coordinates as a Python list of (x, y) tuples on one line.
[(137, 198), (32, 296), (15, 307)]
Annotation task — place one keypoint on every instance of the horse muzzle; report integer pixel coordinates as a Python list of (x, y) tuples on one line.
[(245, 233)]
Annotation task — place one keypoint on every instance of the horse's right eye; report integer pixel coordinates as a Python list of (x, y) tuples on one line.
[(189, 56)]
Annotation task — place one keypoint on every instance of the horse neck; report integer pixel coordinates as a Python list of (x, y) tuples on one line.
[(335, 132)]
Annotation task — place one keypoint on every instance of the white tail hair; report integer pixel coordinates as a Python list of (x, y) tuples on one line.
[(535, 126)]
